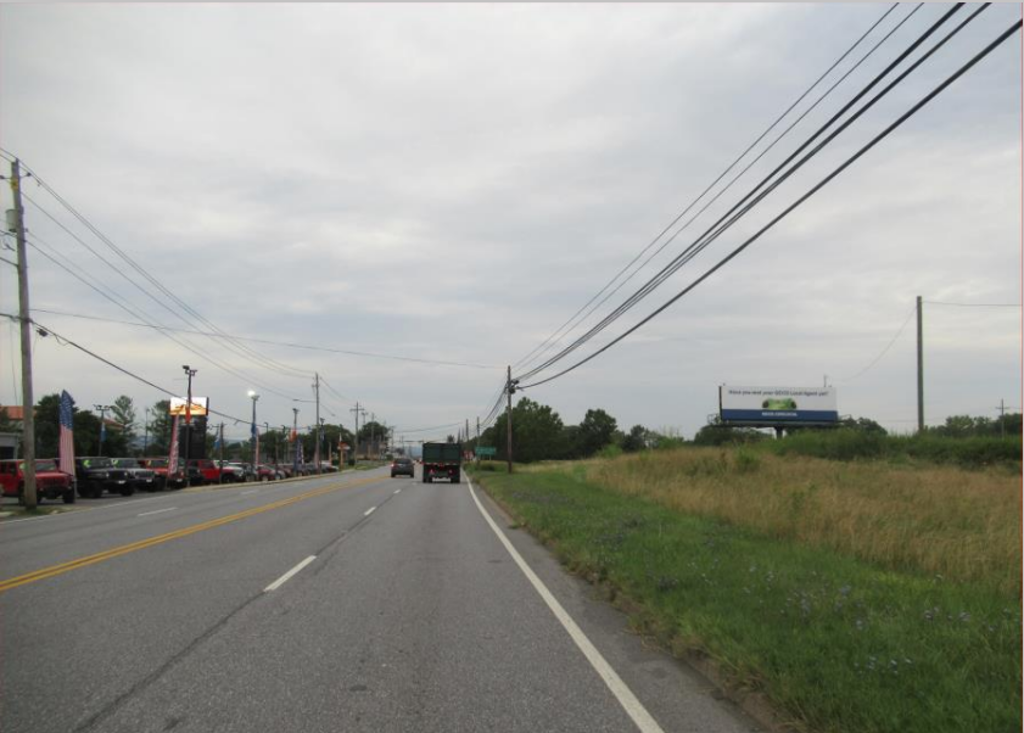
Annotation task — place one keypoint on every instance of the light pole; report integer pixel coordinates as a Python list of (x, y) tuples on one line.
[(103, 424), (188, 422), (295, 448), (255, 431)]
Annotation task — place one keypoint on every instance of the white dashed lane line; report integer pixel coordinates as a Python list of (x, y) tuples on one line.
[(158, 511), (287, 576)]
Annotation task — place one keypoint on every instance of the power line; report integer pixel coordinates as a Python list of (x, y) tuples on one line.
[(718, 228), (63, 340), (240, 350), (554, 338), (878, 138), (164, 330), (885, 350), (973, 305), (309, 347)]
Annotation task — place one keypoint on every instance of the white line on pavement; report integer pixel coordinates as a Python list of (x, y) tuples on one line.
[(633, 707), (287, 576), (250, 491), (369, 511), (397, 491), (158, 511)]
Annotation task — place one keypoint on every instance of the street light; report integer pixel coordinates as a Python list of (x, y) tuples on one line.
[(188, 422), (255, 431)]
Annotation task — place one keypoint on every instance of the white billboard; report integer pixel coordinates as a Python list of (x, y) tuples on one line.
[(773, 405), (200, 406)]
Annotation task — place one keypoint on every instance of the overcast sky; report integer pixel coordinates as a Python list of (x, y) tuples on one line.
[(452, 182)]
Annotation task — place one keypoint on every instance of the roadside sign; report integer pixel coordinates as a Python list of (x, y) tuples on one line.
[(483, 451)]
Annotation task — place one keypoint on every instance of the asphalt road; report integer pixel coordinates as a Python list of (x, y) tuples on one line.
[(341, 603)]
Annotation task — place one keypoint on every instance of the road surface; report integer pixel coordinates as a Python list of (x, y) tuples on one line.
[(338, 603)]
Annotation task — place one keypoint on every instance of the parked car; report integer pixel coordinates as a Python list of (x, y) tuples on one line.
[(265, 472), (159, 467), (402, 466), (236, 473), (143, 479), (285, 469), (51, 482), (208, 469), (96, 474)]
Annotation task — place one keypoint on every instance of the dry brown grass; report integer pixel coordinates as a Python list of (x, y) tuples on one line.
[(962, 525)]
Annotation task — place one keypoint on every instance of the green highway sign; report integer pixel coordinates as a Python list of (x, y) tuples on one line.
[(483, 450)]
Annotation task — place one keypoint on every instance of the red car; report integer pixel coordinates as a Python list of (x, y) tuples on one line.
[(51, 482), (159, 467)]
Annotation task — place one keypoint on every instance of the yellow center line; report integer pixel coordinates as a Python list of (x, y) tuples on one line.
[(65, 567)]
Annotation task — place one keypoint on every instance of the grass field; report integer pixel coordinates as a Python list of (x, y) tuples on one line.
[(857, 597)]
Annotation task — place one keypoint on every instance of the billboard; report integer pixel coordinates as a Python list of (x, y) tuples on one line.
[(200, 406), (775, 405)]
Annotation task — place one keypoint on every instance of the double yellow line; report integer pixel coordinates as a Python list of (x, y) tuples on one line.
[(82, 562)]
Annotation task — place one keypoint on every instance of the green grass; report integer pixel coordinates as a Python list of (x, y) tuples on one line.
[(848, 445), (837, 644)]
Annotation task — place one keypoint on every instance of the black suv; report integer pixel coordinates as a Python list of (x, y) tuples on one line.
[(403, 466), (96, 473)]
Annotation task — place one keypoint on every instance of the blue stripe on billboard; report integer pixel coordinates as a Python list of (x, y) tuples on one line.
[(780, 415)]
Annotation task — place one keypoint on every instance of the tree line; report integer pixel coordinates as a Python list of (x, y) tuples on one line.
[(539, 434), (128, 435)]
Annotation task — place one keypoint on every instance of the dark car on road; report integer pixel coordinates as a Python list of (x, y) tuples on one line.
[(96, 474), (403, 467)]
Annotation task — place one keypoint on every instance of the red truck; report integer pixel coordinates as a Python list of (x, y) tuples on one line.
[(51, 482)]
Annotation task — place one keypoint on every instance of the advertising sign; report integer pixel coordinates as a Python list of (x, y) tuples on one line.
[(774, 405), (200, 406)]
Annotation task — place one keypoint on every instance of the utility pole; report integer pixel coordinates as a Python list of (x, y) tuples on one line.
[(319, 424), (509, 388), (355, 437), (145, 439), (373, 430), (920, 367), (1002, 422), (103, 424), (188, 422), (477, 437), (295, 448), (220, 453), (28, 425), (466, 434)]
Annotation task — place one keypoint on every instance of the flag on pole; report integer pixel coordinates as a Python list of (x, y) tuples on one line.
[(216, 441), (67, 433), (172, 463)]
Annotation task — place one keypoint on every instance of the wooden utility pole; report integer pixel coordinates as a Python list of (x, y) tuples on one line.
[(920, 368), (28, 425), (355, 436), (508, 423), (295, 446), (316, 452)]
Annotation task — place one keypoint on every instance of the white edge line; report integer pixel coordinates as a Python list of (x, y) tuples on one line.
[(250, 491), (397, 491), (287, 576), (158, 511), (369, 511), (629, 702)]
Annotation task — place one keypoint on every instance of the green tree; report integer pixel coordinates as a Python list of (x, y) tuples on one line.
[(537, 433), (123, 410), (636, 439), (160, 429), (596, 431), (48, 426)]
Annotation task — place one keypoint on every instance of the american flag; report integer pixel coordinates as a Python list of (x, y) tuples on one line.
[(67, 433)]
